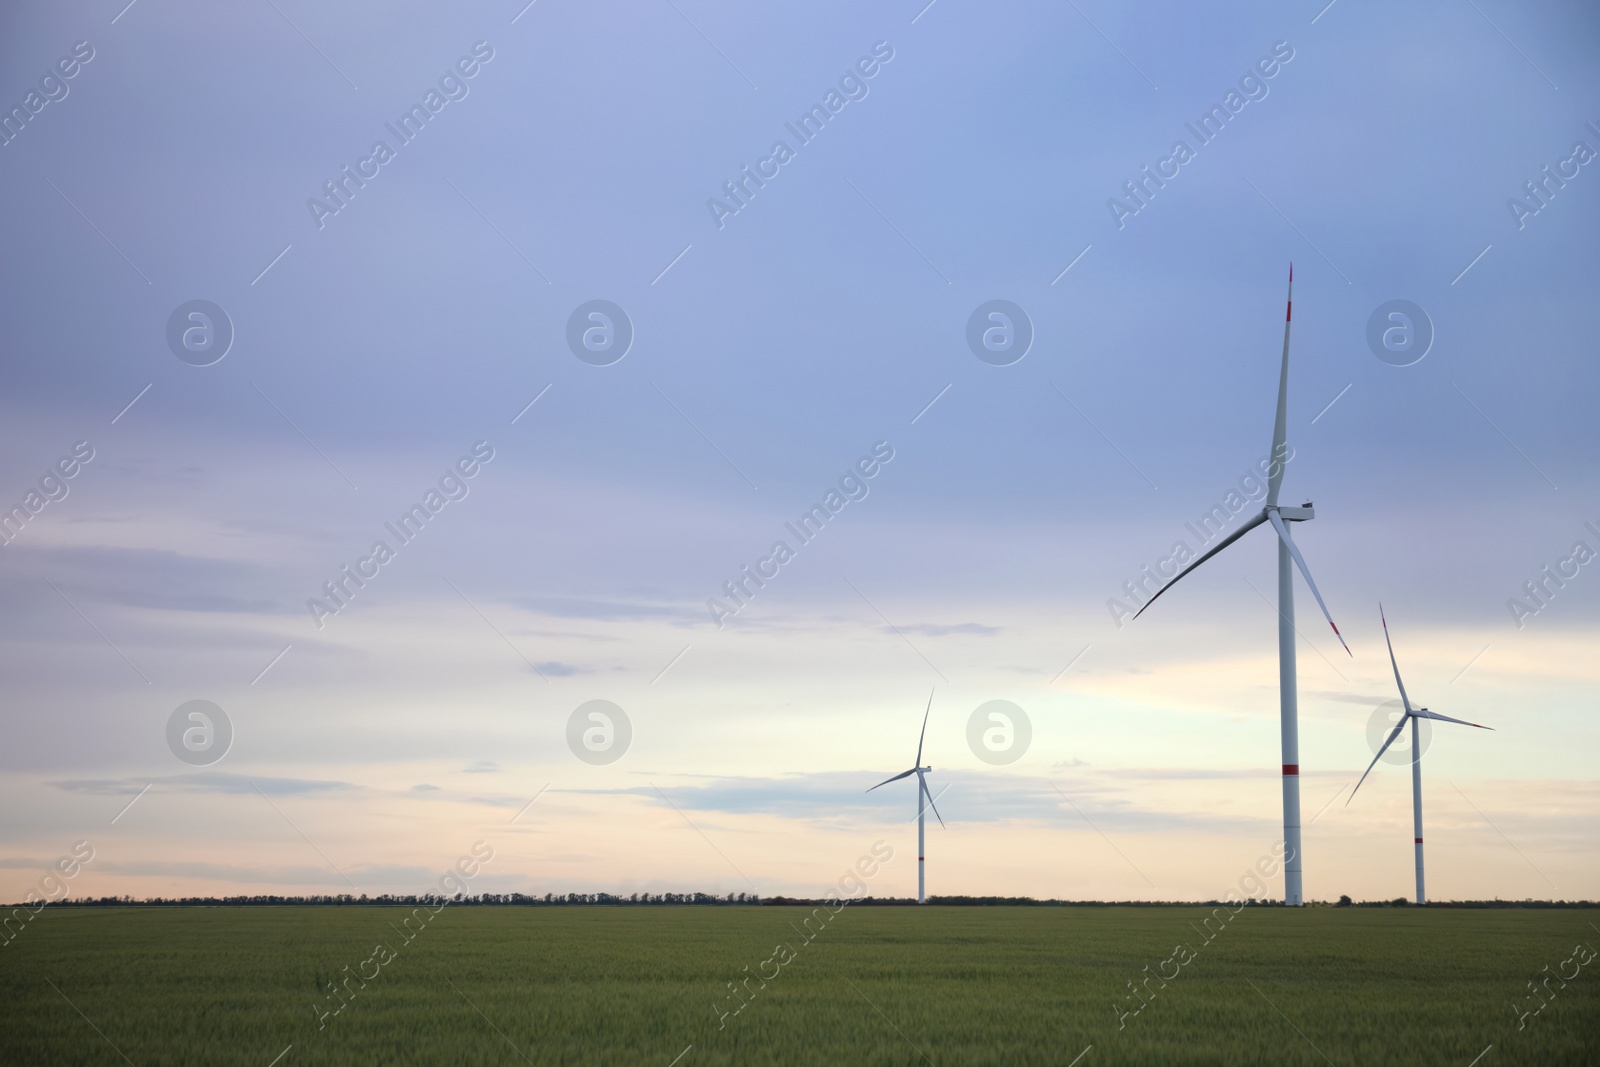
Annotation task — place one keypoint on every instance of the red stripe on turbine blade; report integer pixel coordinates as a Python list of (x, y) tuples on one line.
[(1288, 311), (1291, 768), (1419, 840), (1340, 636)]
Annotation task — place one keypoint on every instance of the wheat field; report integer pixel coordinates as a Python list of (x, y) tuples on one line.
[(784, 985)]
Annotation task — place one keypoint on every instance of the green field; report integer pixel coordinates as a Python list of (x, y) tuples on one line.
[(902, 985)]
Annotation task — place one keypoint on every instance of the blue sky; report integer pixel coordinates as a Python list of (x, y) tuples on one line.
[(769, 355)]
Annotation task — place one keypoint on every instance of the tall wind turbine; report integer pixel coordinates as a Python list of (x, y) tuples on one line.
[(1412, 714), (1280, 517), (922, 792)]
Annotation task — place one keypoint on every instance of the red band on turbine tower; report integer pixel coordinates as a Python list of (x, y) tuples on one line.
[(1291, 768), (1419, 840)]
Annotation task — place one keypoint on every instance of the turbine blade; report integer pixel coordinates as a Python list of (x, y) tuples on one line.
[(1403, 698), (1224, 543), (896, 778), (1305, 572), (1424, 713), (1280, 427), (924, 732), (1384, 748), (923, 783)]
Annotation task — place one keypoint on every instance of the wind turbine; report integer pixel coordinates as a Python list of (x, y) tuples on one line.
[(922, 791), (1416, 753), (1280, 517)]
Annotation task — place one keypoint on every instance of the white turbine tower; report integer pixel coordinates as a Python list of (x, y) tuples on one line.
[(1280, 517), (1413, 714), (922, 792)]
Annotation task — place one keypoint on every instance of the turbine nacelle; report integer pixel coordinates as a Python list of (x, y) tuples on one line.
[(1279, 517)]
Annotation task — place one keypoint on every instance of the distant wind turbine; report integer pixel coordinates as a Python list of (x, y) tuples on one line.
[(1289, 716), (1416, 753), (922, 792)]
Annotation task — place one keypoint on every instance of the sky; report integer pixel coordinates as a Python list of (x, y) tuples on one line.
[(358, 349)]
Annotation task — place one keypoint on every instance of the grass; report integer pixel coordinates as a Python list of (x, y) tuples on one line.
[(1014, 986)]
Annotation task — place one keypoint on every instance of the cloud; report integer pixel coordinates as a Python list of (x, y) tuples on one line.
[(379, 877), (204, 782), (1350, 698), (928, 629), (389, 875), (609, 610), (1197, 774), (558, 669), (483, 766), (961, 796), (225, 872), (160, 579)]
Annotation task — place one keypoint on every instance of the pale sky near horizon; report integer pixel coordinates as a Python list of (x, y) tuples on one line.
[(772, 349)]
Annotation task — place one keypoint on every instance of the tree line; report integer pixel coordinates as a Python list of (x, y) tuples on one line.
[(733, 899)]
